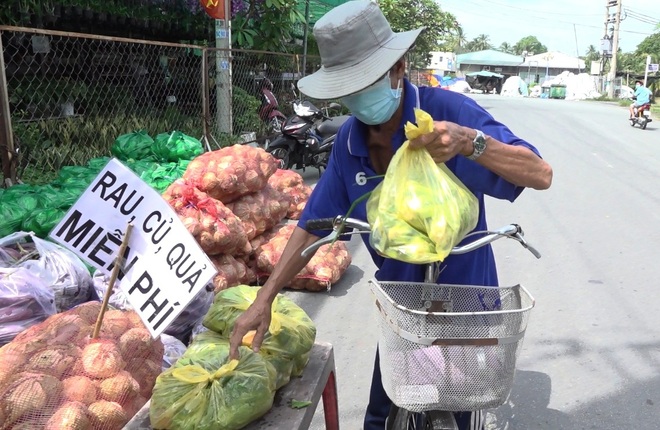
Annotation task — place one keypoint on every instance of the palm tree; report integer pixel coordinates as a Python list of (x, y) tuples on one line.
[(481, 42), (506, 47), (458, 41)]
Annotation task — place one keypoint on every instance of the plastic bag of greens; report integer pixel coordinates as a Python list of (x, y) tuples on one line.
[(16, 203), (97, 164), (162, 176), (132, 146), (41, 222), (205, 390), (291, 333), (281, 361), (421, 210), (176, 146)]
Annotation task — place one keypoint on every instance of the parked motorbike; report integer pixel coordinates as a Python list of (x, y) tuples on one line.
[(307, 136), (269, 111), (641, 118)]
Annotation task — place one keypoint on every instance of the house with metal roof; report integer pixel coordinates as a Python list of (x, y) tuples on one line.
[(489, 60)]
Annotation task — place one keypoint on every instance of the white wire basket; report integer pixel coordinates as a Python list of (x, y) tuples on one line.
[(449, 347)]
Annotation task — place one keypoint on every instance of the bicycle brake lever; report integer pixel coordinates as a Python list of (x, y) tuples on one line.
[(311, 249), (520, 238)]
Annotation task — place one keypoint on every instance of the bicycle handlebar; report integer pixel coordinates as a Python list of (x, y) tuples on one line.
[(339, 226)]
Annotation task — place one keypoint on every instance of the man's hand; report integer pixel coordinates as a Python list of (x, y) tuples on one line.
[(446, 141), (256, 317)]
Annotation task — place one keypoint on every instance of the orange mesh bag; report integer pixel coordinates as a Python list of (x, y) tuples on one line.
[(324, 269), (231, 172), (54, 376), (212, 224), (261, 211), (291, 184)]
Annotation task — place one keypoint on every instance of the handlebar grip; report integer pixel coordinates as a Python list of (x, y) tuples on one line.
[(320, 224)]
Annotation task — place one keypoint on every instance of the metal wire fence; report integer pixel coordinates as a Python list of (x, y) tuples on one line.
[(71, 95)]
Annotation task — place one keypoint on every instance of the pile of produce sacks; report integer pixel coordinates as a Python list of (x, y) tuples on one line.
[(54, 376), (291, 184), (205, 389)]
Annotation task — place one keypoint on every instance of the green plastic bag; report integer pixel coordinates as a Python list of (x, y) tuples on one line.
[(421, 210), (205, 390), (162, 176), (43, 221), (281, 362), (97, 164), (141, 166), (132, 146), (176, 146), (291, 332)]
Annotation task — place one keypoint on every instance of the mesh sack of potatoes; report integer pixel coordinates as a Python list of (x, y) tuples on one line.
[(55, 376)]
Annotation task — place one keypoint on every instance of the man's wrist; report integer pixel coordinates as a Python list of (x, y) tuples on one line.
[(468, 147)]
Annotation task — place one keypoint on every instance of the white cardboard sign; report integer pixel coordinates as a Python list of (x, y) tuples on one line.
[(164, 267)]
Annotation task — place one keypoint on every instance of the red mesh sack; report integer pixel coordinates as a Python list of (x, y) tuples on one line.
[(260, 211), (324, 269), (212, 224), (231, 172), (291, 184), (54, 376), (231, 272)]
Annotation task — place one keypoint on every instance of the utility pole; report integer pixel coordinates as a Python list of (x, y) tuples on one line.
[(615, 47), (305, 36)]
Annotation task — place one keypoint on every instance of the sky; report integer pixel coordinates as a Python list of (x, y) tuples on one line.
[(555, 23)]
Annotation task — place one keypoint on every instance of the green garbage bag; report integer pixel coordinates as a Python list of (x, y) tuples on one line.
[(41, 222), (97, 164), (291, 333), (132, 146), (162, 176), (205, 390), (141, 166), (176, 146), (16, 203)]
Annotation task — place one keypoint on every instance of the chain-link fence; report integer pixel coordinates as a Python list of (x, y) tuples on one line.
[(72, 95)]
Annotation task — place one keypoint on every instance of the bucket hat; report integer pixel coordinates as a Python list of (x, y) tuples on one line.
[(357, 47)]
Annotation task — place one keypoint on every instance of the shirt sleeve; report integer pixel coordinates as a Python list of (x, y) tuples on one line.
[(476, 177), (329, 197)]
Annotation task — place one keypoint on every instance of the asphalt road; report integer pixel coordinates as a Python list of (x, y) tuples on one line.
[(591, 358)]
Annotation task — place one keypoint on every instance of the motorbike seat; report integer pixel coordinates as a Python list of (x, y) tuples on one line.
[(642, 108), (331, 126)]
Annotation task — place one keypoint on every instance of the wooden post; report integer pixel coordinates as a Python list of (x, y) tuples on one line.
[(7, 151), (113, 278)]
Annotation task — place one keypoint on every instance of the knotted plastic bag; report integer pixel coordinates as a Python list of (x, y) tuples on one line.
[(206, 390), (421, 210), (292, 331)]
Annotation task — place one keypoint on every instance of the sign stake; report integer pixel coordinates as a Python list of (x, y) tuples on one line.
[(113, 279)]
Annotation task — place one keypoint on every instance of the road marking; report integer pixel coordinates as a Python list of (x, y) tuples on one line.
[(603, 160)]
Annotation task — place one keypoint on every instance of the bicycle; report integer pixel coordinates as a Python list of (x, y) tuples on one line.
[(443, 347)]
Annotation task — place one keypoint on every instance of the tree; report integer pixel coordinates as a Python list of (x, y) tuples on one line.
[(506, 47), (457, 40), (265, 25), (481, 43), (408, 15), (591, 55), (529, 44)]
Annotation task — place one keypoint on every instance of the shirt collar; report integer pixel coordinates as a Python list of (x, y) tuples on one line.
[(357, 145)]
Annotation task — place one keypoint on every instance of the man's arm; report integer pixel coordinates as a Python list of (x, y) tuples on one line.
[(257, 316), (516, 164)]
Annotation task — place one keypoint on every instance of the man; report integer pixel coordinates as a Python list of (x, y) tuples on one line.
[(642, 96), (363, 65)]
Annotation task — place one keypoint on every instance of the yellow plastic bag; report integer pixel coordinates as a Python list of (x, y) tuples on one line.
[(206, 390), (421, 210), (291, 333)]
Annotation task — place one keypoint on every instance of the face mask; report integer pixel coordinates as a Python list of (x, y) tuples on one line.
[(375, 104)]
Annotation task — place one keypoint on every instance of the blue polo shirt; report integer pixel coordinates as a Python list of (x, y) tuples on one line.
[(343, 182)]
